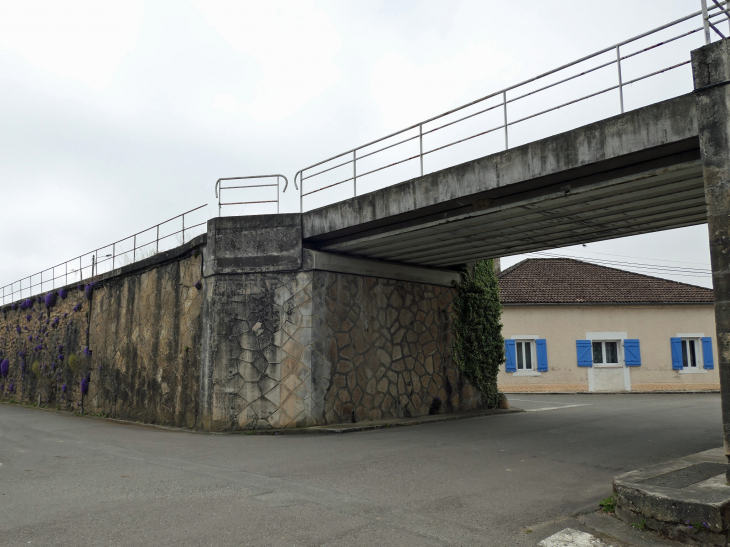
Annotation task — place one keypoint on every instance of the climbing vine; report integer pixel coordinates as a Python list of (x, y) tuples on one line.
[(478, 341)]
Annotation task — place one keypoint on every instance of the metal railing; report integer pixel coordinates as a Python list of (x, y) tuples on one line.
[(219, 190), (98, 261), (503, 98)]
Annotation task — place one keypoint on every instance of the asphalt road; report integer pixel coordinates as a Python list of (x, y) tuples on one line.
[(497, 480)]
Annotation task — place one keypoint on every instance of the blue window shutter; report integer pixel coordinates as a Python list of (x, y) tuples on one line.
[(676, 353), (541, 345), (707, 352), (632, 353), (509, 350), (585, 353)]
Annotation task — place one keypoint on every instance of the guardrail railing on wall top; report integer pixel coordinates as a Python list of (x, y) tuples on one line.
[(500, 101), (125, 251), (243, 188)]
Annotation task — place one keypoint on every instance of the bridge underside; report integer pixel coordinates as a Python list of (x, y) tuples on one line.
[(636, 173)]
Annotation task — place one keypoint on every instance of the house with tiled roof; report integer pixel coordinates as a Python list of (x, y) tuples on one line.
[(574, 326)]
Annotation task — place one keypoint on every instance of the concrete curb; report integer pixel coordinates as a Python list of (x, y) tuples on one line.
[(313, 430), (377, 424)]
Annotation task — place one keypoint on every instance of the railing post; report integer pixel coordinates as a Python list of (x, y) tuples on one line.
[(183, 230), (134, 249), (277, 194), (66, 281), (301, 190), (157, 241), (504, 107), (420, 143), (705, 21), (620, 82), (81, 270), (114, 254), (354, 172)]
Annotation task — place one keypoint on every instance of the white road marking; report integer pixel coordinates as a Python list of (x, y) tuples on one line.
[(538, 401), (572, 538), (552, 408)]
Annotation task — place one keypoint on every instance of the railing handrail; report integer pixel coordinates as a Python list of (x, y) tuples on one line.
[(95, 257), (219, 188), (706, 13)]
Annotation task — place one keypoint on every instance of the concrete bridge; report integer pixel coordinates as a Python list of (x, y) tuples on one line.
[(343, 312)]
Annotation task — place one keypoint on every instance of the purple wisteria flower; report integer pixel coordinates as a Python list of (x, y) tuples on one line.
[(63, 293), (80, 287), (63, 388), (65, 315), (87, 351), (18, 329), (89, 290), (28, 317), (14, 306), (198, 285), (4, 367), (50, 300), (84, 385), (30, 337), (60, 357)]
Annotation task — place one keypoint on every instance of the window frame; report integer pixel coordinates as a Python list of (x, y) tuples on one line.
[(530, 339), (619, 353), (695, 337)]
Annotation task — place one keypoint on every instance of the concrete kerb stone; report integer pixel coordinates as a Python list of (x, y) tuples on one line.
[(697, 514), (378, 424)]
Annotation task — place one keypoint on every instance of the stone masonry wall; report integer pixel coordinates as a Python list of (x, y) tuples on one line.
[(145, 334), (388, 346), (133, 339), (43, 347)]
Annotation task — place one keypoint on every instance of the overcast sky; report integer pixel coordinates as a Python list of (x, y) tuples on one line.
[(116, 116)]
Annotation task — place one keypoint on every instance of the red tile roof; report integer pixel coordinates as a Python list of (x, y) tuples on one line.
[(568, 281)]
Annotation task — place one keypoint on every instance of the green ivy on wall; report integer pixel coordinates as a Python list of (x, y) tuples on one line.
[(478, 341)]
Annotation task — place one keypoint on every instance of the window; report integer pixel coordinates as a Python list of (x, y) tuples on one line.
[(690, 352), (526, 355), (525, 352), (605, 352)]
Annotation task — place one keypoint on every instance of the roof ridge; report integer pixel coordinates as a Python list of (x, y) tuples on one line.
[(611, 268), (554, 280)]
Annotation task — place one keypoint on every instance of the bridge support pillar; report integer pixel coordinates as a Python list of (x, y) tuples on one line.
[(711, 69)]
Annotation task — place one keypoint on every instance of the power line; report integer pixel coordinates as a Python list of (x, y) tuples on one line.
[(647, 258), (684, 272)]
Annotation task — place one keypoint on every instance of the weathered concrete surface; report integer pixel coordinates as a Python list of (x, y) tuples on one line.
[(711, 68), (260, 243), (337, 263), (257, 346), (698, 514), (640, 135), (145, 331), (134, 338)]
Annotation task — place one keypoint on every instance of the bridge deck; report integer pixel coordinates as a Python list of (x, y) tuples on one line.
[(634, 173)]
